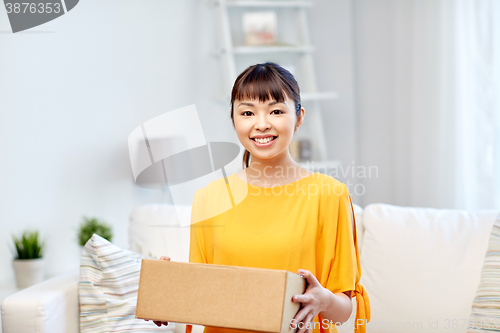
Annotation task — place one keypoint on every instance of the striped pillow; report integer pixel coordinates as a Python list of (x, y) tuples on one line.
[(485, 315), (109, 279)]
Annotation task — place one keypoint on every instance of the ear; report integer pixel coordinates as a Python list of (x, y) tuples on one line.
[(300, 119)]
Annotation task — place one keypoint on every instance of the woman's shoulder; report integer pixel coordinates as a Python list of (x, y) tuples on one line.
[(329, 186), (327, 179)]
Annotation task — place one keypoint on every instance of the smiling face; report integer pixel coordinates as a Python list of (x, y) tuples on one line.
[(265, 102), (265, 128)]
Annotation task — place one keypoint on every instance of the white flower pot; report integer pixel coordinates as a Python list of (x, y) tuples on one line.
[(28, 271)]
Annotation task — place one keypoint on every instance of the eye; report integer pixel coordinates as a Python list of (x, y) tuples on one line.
[(244, 113), (280, 112)]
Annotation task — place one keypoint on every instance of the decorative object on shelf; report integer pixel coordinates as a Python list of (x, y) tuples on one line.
[(28, 262), (260, 28), (91, 226)]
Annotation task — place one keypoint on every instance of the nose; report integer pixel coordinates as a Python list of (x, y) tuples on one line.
[(262, 123)]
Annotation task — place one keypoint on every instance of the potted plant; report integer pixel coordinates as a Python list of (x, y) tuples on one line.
[(28, 262), (91, 226)]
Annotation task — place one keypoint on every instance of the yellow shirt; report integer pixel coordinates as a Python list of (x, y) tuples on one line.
[(306, 224)]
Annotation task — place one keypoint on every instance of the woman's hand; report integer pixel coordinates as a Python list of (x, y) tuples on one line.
[(314, 300), (159, 323)]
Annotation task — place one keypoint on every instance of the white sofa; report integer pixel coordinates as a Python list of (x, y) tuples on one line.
[(420, 266)]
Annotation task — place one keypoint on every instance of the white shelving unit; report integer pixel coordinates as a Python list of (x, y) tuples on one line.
[(235, 57)]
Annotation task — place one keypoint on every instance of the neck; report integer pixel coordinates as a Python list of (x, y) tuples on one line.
[(281, 166)]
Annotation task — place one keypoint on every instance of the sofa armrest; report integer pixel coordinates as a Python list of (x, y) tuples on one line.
[(50, 306)]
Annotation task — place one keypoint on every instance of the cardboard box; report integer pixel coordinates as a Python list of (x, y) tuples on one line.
[(216, 295)]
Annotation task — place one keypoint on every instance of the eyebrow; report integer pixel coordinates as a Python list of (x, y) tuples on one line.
[(250, 104)]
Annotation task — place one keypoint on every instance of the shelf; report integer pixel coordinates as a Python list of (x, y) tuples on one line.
[(272, 49), (326, 95), (250, 3)]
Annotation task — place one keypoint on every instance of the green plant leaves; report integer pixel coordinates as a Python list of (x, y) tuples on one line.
[(28, 245), (91, 226)]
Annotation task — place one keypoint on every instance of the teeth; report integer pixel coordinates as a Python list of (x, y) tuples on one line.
[(266, 140)]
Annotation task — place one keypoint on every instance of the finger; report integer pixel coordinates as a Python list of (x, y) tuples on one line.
[(302, 326), (311, 279), (309, 323), (303, 298), (157, 323), (300, 316), (165, 323), (306, 327), (165, 258)]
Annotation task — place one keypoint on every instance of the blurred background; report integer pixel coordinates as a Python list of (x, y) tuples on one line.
[(402, 102)]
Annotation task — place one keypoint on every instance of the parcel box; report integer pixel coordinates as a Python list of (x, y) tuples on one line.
[(217, 295)]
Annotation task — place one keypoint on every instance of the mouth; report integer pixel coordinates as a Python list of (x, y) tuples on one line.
[(264, 142)]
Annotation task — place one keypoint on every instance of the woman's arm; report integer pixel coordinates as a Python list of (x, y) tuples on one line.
[(338, 307)]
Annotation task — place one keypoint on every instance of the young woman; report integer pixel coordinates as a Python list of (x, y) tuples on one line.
[(278, 214)]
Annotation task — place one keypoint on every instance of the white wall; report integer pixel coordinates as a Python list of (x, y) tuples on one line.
[(374, 43), (332, 34), (73, 89)]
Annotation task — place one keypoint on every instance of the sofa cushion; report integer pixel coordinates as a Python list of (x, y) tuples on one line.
[(155, 230), (421, 266), (486, 305), (109, 280)]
